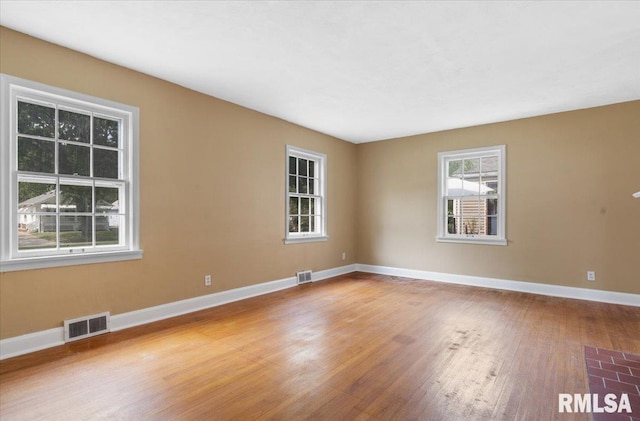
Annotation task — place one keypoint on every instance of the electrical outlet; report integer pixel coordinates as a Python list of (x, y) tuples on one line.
[(344, 255), (591, 276), (207, 280)]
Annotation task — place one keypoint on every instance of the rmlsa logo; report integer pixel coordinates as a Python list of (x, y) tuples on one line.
[(587, 402)]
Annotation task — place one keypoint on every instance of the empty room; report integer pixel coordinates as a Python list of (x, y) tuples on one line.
[(350, 210)]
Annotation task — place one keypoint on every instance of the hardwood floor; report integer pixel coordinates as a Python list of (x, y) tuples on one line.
[(358, 347)]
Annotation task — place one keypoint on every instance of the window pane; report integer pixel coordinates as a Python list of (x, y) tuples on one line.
[(489, 179), (312, 169), (469, 207), (468, 216), (107, 200), (40, 234), (293, 224), (107, 230), (302, 185), (312, 186), (472, 225), (453, 225), (471, 179), (106, 132), (304, 224), (293, 206), (292, 184), (490, 165), (73, 159), (304, 206), (492, 206), (471, 193), (455, 168), (292, 165), (75, 198), (471, 166), (489, 184), (36, 155), (116, 222), (105, 163), (302, 166), (305, 184), (492, 225), (36, 197), (36, 120), (76, 231), (73, 126)]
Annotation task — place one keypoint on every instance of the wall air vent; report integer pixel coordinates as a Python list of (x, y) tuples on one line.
[(84, 327), (304, 277)]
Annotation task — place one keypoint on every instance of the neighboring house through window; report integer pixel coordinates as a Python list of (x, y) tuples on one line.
[(471, 196), (68, 179), (305, 198)]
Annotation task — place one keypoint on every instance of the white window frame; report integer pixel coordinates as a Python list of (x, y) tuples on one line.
[(443, 159), (321, 165), (12, 259)]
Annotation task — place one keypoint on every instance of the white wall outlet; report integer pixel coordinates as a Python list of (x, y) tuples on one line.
[(344, 255), (591, 276), (207, 280)]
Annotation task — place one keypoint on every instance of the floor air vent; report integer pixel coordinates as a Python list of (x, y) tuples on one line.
[(83, 327), (304, 277)]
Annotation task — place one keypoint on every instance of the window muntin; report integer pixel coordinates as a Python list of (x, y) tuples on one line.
[(305, 198), (471, 202), (69, 177)]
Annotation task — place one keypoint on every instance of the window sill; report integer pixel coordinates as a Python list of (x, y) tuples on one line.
[(57, 261), (473, 240), (307, 239)]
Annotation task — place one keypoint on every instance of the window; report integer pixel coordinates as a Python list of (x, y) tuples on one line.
[(471, 196), (305, 201), (68, 181)]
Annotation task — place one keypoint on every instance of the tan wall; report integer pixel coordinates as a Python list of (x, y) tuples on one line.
[(212, 197), (570, 178)]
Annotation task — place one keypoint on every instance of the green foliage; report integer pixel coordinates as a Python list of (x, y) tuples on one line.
[(73, 126), (468, 165), (36, 120)]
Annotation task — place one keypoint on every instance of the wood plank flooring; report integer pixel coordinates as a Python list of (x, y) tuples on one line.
[(357, 347)]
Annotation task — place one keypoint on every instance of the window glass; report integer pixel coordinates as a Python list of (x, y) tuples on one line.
[(73, 126), (471, 196), (37, 120), (106, 132), (36, 155), (305, 196), (105, 163), (73, 159)]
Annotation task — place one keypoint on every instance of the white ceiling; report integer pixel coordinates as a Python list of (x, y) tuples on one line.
[(364, 71)]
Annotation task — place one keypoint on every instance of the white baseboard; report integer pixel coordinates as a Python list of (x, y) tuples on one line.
[(24, 344), (31, 342), (519, 286), (177, 308), (20, 345)]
